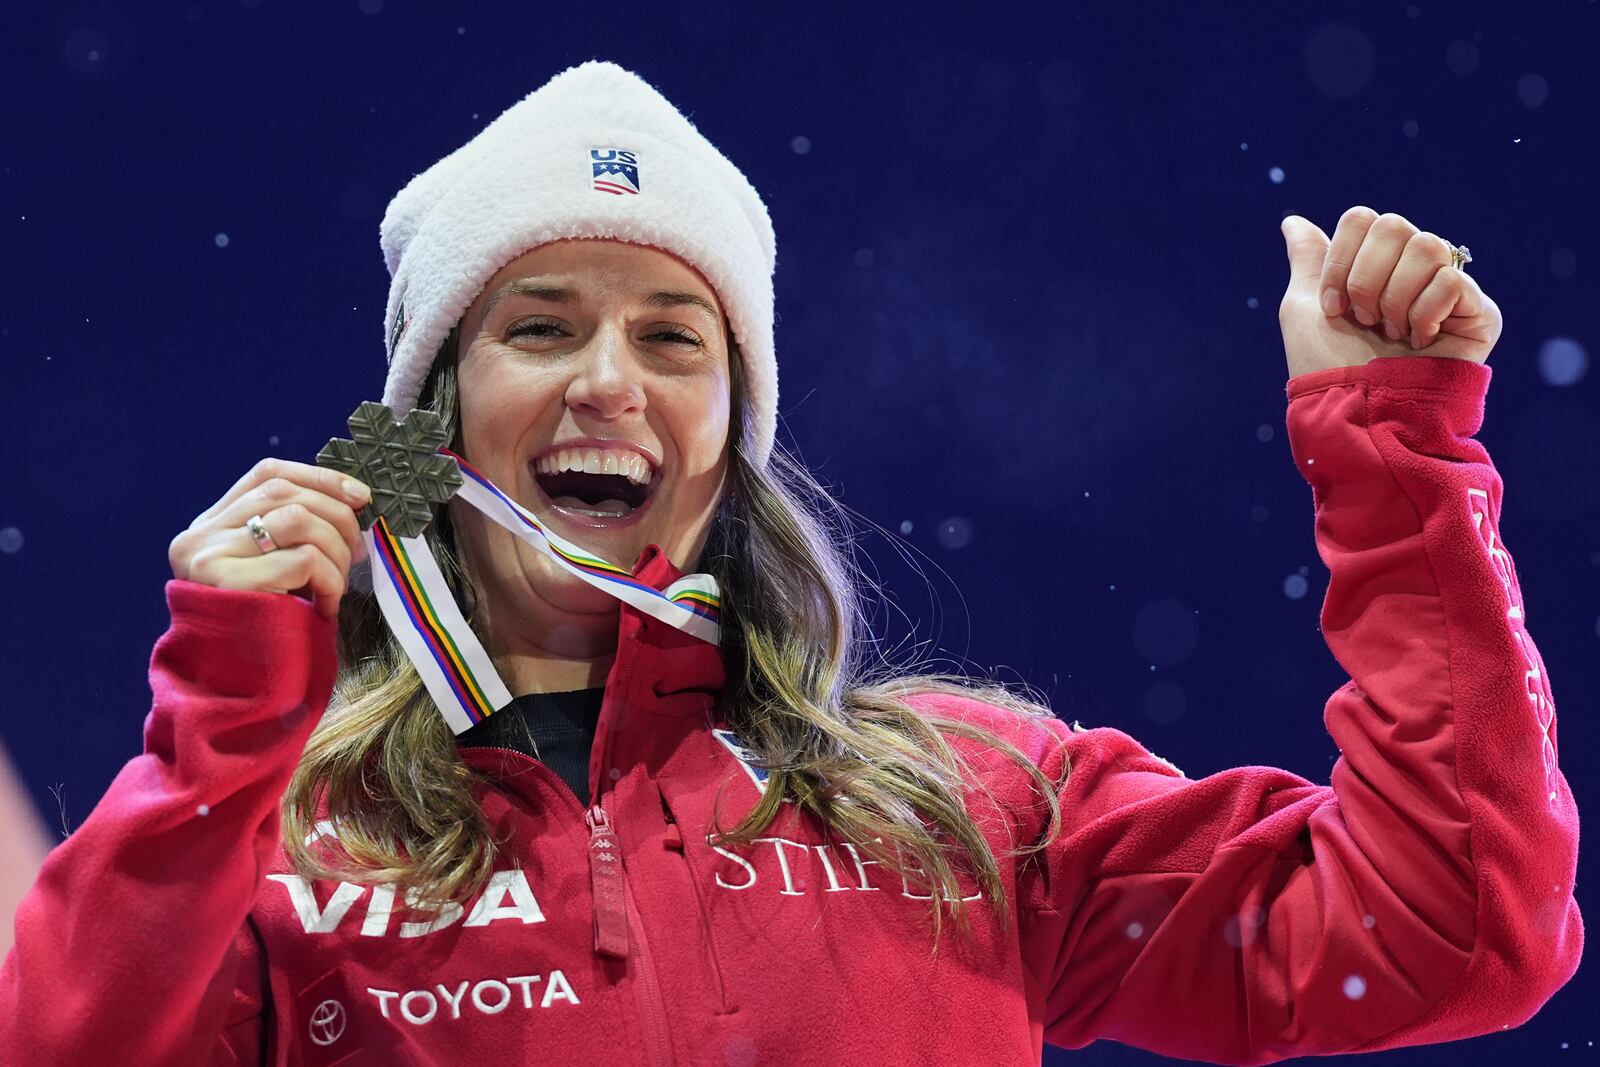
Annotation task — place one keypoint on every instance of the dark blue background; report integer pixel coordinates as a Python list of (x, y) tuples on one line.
[(1028, 272)]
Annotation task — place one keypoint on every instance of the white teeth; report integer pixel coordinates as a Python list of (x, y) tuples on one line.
[(629, 464)]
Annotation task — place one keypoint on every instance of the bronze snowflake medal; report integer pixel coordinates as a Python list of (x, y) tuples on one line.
[(400, 461)]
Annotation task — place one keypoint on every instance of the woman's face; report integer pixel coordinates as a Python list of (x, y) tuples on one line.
[(594, 391)]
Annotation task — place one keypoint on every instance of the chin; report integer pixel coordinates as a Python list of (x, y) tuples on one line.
[(555, 584)]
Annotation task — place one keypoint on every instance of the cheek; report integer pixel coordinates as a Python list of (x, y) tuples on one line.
[(497, 410), (706, 458), (475, 397), (705, 429)]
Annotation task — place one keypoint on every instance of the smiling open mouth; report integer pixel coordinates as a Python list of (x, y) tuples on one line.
[(600, 495), (603, 486)]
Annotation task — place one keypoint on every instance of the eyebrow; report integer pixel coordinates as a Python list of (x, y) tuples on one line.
[(539, 289)]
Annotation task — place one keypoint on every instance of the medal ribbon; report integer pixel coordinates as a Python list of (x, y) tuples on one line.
[(425, 619)]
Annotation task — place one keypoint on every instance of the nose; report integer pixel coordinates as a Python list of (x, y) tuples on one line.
[(606, 382)]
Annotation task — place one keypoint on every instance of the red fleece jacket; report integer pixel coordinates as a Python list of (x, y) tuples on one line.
[(1424, 895)]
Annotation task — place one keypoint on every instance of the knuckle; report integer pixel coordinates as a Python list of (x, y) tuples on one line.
[(289, 517), (203, 567), (182, 559), (1431, 243), (305, 562), (267, 467), (1392, 222), (277, 488)]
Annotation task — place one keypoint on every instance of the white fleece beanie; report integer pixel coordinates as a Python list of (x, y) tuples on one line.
[(594, 152)]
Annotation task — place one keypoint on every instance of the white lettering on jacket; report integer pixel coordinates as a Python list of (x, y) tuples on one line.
[(489, 996), (507, 896), (1541, 701), (794, 862)]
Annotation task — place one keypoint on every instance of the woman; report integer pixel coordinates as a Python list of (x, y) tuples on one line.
[(657, 847)]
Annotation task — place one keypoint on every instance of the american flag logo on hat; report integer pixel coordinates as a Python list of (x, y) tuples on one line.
[(616, 170)]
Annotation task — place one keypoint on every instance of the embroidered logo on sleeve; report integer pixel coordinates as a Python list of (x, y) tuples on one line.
[(748, 759), (1541, 701)]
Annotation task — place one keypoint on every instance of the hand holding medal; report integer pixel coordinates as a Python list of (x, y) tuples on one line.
[(284, 527)]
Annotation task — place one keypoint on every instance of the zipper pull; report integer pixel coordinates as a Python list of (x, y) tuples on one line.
[(605, 875), (674, 838)]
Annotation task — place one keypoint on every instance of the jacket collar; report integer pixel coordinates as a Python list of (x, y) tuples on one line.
[(660, 669), (661, 675)]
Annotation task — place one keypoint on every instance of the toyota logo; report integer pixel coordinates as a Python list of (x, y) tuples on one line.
[(327, 1022)]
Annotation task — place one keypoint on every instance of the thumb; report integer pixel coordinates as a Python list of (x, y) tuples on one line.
[(1307, 247)]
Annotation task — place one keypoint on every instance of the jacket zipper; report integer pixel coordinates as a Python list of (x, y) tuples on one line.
[(609, 882), (616, 916), (606, 874), (607, 877), (658, 1044), (561, 783)]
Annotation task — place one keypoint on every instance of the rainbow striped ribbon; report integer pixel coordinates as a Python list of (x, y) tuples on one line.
[(425, 619)]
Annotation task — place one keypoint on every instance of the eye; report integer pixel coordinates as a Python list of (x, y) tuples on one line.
[(532, 328), (681, 336), (536, 328)]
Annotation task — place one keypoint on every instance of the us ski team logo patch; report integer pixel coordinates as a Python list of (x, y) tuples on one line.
[(747, 758), (614, 170)]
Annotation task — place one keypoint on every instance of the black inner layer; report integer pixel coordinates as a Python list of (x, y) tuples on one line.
[(594, 488)]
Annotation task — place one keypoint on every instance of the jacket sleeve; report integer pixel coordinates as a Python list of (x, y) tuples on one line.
[(132, 945), (1425, 895)]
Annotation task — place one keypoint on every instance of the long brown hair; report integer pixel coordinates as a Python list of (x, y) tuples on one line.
[(825, 712)]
